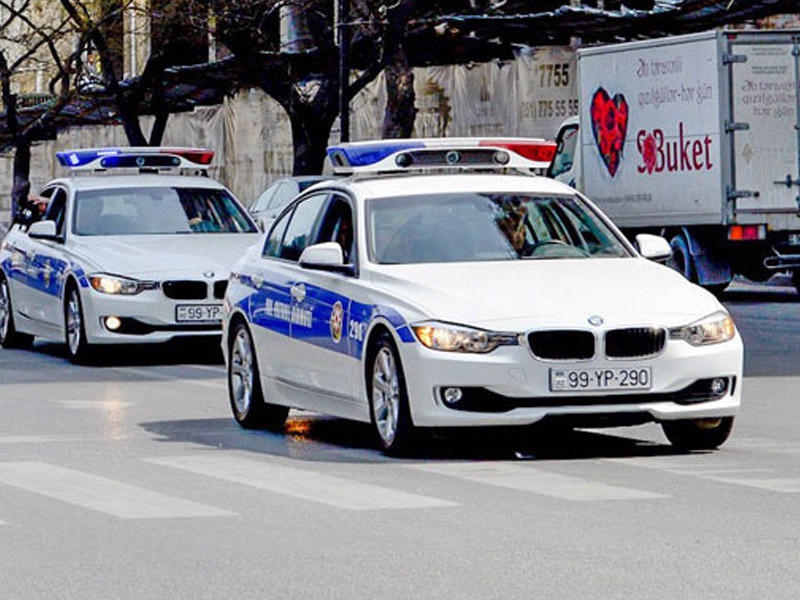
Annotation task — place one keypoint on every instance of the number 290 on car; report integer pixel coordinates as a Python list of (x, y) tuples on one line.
[(571, 380)]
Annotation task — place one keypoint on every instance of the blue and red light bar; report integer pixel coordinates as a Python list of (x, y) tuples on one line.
[(135, 157), (395, 155)]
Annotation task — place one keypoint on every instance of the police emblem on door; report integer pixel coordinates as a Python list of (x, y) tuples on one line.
[(337, 321)]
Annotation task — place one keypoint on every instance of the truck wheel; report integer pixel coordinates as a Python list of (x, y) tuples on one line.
[(796, 280), (681, 259)]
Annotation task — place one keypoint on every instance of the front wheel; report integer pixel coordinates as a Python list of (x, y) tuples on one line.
[(244, 385), (698, 434), (78, 348), (389, 410), (9, 336)]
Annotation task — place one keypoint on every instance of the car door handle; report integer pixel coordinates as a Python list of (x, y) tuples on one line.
[(298, 292)]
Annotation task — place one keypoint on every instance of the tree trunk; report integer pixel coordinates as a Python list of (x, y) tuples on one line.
[(400, 113), (22, 171), (159, 126), (310, 140), (398, 119)]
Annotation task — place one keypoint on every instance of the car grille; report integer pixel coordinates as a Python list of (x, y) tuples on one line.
[(185, 290), (219, 289), (562, 344), (634, 342)]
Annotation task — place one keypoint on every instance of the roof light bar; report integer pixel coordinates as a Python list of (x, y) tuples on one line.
[(395, 155), (135, 157)]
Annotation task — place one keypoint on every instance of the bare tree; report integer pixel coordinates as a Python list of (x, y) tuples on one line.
[(32, 37)]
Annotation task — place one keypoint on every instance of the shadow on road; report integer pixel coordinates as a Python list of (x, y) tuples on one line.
[(327, 439), (198, 351)]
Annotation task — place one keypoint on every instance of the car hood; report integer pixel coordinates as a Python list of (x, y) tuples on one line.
[(517, 295), (159, 256)]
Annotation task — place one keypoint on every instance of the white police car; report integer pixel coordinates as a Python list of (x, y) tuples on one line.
[(142, 255), (437, 286)]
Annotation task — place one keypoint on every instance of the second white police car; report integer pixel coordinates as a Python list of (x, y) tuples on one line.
[(442, 285), (138, 253)]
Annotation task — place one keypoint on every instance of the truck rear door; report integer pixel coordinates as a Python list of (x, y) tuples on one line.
[(766, 128)]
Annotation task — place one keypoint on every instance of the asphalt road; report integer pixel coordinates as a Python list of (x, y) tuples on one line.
[(130, 480)]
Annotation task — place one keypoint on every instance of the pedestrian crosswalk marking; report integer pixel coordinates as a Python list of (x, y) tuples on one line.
[(786, 486), (719, 474), (300, 483), (100, 494), (529, 479)]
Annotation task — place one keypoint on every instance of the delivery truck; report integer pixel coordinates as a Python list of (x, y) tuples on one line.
[(695, 138)]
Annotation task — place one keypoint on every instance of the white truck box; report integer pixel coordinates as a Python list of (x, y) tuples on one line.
[(695, 137)]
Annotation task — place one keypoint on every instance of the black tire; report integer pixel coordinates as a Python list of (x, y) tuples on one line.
[(796, 280), (388, 398), (244, 384), (78, 348), (698, 434), (681, 259), (9, 336)]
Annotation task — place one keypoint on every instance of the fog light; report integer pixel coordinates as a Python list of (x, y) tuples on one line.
[(719, 385), (113, 323), (452, 395)]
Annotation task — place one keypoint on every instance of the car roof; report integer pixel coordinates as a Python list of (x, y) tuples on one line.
[(95, 182), (421, 184)]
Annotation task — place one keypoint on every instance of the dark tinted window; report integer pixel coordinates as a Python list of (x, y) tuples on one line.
[(302, 226)]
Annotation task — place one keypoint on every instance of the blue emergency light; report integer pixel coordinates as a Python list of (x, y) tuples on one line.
[(435, 153), (135, 157)]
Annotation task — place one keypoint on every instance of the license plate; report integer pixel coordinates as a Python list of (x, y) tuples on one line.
[(198, 313), (593, 380)]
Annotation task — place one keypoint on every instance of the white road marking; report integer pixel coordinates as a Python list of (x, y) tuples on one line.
[(300, 483), (719, 474), (784, 486), (529, 479), (100, 494)]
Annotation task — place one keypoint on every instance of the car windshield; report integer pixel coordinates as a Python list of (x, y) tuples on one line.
[(467, 227), (158, 210)]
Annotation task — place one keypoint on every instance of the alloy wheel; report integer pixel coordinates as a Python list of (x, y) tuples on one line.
[(242, 374), (386, 394)]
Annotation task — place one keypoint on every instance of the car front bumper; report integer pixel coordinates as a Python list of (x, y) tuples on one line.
[(510, 386), (148, 317)]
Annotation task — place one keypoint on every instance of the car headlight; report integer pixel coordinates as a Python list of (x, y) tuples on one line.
[(713, 329), (114, 284), (452, 338)]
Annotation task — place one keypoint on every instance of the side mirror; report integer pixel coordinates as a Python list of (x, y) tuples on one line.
[(327, 256), (653, 247), (44, 230)]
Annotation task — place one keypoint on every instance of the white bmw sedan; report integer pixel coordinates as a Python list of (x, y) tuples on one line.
[(123, 258), (414, 299)]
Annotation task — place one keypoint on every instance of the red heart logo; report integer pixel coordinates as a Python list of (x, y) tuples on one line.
[(609, 125)]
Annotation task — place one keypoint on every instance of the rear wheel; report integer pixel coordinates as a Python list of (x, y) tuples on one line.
[(9, 336), (80, 352), (389, 409), (698, 434), (244, 385)]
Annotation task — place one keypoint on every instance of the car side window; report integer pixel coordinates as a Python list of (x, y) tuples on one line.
[(302, 226), (273, 245), (57, 209), (279, 197), (337, 226), (33, 208)]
